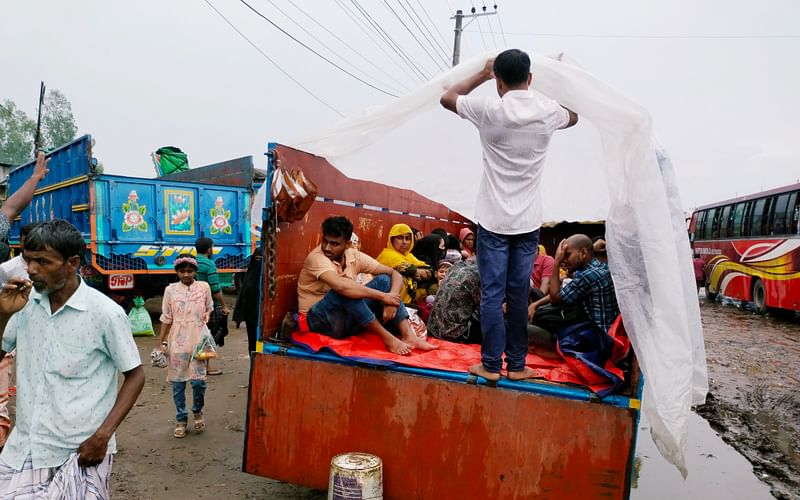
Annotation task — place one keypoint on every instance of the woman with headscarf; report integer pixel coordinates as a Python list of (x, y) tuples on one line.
[(467, 238), (397, 255), (247, 305), (430, 250)]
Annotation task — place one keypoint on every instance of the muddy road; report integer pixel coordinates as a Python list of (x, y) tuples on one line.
[(754, 389)]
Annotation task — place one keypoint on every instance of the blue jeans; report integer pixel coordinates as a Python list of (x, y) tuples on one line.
[(340, 317), (179, 396), (505, 263)]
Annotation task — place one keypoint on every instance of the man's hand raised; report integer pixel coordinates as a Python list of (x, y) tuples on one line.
[(14, 295), (40, 170)]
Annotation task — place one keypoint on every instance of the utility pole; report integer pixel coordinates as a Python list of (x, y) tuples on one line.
[(459, 17)]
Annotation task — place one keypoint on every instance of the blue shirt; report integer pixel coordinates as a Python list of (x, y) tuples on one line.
[(592, 287), (67, 365)]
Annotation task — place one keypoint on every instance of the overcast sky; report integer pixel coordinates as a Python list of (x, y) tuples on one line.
[(721, 79)]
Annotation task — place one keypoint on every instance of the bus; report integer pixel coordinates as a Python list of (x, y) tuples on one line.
[(750, 248)]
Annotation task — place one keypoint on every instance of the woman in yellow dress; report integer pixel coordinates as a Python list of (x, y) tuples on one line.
[(417, 275)]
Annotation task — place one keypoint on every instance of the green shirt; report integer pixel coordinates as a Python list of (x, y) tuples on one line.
[(207, 271)]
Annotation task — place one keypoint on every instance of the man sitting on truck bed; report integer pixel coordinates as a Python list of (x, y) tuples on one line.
[(337, 306)]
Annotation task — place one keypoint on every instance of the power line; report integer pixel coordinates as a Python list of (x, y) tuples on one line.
[(480, 29), (441, 36), (424, 48), (665, 36), (491, 29), (290, 77), (429, 37), (262, 16), (355, 51), (500, 22), (361, 24), (389, 40), (314, 37)]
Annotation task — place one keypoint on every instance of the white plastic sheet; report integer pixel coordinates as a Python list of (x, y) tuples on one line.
[(414, 143)]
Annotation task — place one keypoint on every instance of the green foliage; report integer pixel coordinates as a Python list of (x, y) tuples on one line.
[(17, 130), (16, 134), (58, 124)]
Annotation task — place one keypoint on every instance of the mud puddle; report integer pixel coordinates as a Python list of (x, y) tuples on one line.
[(754, 389), (716, 470)]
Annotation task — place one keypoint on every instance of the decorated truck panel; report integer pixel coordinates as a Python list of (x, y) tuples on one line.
[(135, 227)]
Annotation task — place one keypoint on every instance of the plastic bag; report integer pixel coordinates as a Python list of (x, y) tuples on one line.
[(205, 349), (158, 359), (141, 325), (292, 192), (417, 325)]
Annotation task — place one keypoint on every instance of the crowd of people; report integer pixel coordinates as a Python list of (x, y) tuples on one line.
[(343, 292)]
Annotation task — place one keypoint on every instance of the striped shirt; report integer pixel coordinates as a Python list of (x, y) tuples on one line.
[(515, 131), (207, 271), (592, 287)]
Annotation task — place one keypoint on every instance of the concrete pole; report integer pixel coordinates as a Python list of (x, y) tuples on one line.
[(457, 41)]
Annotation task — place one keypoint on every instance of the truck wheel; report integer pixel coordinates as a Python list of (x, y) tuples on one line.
[(759, 296)]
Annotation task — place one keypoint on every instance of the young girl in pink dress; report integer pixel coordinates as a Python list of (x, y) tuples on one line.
[(185, 311)]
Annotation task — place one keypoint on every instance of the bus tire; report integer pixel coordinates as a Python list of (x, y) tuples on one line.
[(759, 296)]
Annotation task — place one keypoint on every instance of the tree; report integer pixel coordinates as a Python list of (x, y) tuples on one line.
[(58, 124), (17, 130), (16, 134)]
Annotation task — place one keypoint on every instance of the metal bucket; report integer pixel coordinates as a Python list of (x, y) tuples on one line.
[(356, 476)]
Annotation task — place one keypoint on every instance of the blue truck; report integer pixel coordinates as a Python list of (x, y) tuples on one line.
[(135, 227)]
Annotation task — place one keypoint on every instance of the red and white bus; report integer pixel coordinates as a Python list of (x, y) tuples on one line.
[(751, 248)]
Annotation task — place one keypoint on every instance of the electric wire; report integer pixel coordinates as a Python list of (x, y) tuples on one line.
[(274, 63), (361, 25), (491, 28), (316, 39), (658, 37), (354, 50), (424, 48), (500, 22), (389, 40), (480, 29), (435, 26), (262, 16), (429, 37)]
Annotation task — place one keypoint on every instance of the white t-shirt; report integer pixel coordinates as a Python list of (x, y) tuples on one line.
[(515, 131)]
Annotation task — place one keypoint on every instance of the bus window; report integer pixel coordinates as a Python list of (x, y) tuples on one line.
[(781, 212), (738, 218), (766, 219), (698, 226), (756, 216), (711, 217), (725, 223), (793, 215)]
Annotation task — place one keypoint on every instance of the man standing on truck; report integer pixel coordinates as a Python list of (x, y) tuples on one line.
[(207, 271), (515, 130), (337, 306), (71, 342)]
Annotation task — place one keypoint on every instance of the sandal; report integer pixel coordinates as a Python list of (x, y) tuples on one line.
[(214, 372), (180, 430), (199, 423)]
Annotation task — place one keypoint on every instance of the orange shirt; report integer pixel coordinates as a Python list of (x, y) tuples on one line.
[(310, 289)]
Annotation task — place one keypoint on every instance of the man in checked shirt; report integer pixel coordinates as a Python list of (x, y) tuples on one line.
[(591, 287)]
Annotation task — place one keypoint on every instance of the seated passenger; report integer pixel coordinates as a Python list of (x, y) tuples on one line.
[(588, 296), (335, 305), (467, 239), (453, 249), (430, 250), (397, 255), (591, 286), (540, 276), (455, 315)]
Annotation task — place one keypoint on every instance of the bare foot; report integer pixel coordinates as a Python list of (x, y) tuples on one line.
[(418, 343), (523, 374), (396, 346), (480, 371)]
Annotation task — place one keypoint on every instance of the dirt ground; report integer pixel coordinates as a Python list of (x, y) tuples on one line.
[(754, 399), (152, 464)]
